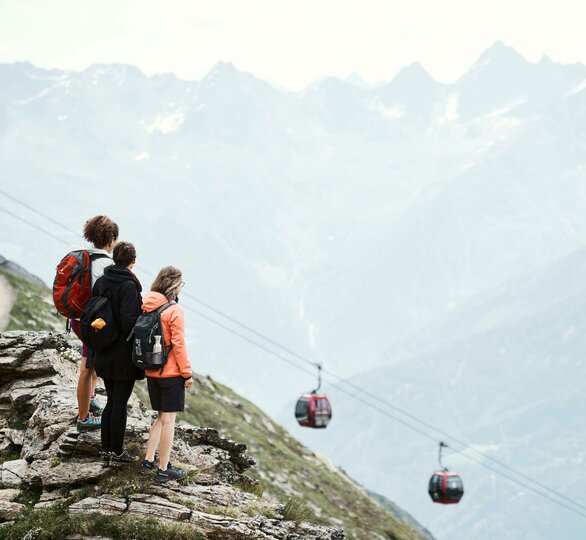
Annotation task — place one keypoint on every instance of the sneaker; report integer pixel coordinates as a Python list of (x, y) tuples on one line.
[(90, 423), (170, 474), (147, 466), (105, 455), (96, 407), (124, 457)]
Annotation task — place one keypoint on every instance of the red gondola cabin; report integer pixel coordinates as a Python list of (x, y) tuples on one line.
[(446, 487), (313, 411)]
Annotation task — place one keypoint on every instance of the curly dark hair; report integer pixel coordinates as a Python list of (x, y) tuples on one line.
[(101, 231), (124, 254)]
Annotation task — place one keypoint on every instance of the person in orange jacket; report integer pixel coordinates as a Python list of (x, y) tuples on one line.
[(167, 386)]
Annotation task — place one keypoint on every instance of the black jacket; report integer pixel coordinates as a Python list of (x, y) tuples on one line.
[(123, 289)]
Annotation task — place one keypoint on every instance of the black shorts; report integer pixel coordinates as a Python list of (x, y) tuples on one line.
[(167, 395)]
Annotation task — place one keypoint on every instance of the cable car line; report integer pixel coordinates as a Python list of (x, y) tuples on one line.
[(16, 216), (306, 360), (463, 454), (447, 435), (38, 212)]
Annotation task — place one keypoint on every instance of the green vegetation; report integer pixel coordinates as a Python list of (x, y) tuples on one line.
[(33, 306), (29, 496), (125, 480), (297, 510), (285, 467), (257, 508), (17, 424), (222, 511), (10, 454), (55, 523)]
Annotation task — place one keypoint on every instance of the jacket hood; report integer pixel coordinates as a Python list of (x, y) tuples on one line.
[(118, 274), (153, 300)]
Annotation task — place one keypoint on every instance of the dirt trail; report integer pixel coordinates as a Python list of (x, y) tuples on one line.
[(6, 302)]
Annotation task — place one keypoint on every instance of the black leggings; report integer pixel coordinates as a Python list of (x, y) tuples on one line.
[(114, 414)]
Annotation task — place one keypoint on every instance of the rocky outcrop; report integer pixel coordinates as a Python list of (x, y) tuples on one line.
[(44, 453)]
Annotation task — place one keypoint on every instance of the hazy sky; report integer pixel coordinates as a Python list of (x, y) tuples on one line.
[(290, 43)]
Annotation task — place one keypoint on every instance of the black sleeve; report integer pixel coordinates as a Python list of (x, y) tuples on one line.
[(129, 307)]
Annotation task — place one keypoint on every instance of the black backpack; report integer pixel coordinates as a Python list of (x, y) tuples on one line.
[(147, 326), (99, 336)]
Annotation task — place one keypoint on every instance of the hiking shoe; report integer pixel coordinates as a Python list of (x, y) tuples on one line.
[(124, 457), (90, 423), (96, 408), (147, 466), (170, 474), (105, 455)]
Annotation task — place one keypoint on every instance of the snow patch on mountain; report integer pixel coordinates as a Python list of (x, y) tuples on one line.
[(165, 124)]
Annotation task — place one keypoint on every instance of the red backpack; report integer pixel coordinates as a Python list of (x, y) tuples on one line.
[(72, 287)]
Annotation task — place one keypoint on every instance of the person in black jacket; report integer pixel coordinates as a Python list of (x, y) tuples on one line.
[(114, 364)]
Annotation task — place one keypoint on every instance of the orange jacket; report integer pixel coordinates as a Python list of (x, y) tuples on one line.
[(173, 333)]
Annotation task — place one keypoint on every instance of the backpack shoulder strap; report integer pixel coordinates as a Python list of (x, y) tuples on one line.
[(165, 306), (158, 312), (95, 256)]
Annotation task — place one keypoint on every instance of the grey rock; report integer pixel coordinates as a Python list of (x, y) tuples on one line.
[(45, 504), (71, 472), (105, 504), (228, 528), (203, 497), (13, 473), (83, 537), (50, 496), (8, 363), (158, 507), (198, 436), (39, 363), (8, 494), (10, 510), (13, 436)]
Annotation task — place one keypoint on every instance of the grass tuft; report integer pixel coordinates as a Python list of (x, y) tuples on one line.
[(28, 497), (55, 524), (125, 480), (227, 511), (9, 454), (258, 508), (296, 510), (250, 486)]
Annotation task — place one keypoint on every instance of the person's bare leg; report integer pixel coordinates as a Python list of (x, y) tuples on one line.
[(167, 435), (154, 438), (94, 382), (84, 389)]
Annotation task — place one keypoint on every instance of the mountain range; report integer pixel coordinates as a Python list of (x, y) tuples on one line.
[(340, 221)]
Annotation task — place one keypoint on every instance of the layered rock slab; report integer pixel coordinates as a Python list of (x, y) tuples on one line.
[(37, 423)]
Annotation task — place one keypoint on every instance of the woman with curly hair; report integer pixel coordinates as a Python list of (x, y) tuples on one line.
[(102, 233)]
